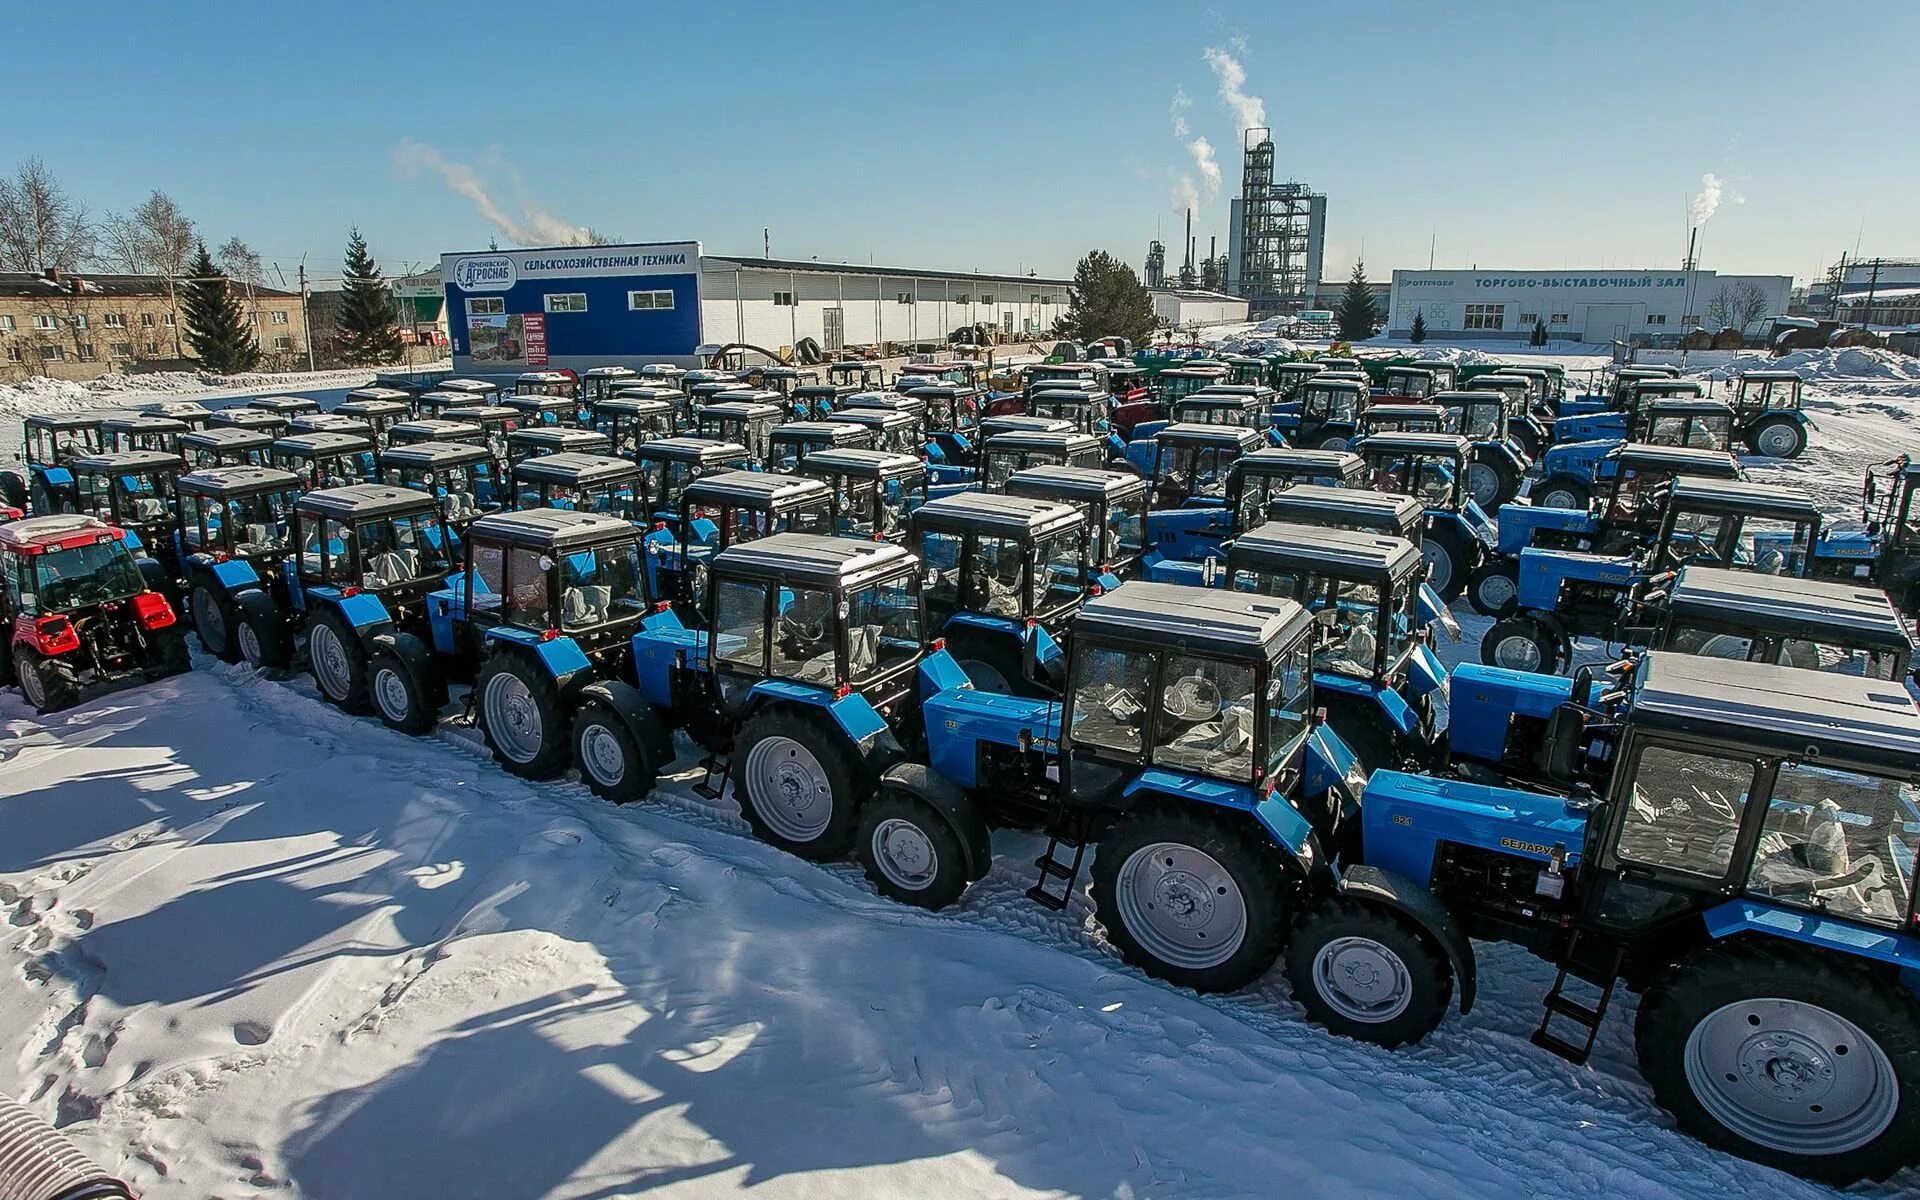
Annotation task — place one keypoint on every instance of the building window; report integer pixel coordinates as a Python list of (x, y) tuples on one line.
[(986, 299), (120, 349), (1691, 320), (146, 320), (116, 320), (283, 343), (85, 350), (654, 301), (153, 347), (961, 298), (44, 321), (1656, 318), (51, 354), (487, 306), (903, 297), (1529, 319), (79, 320), (13, 354), (567, 302), (1486, 316), (279, 316), (6, 321), (1557, 319), (168, 319)]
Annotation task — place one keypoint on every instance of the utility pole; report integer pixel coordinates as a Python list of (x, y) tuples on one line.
[(1873, 285), (306, 322), (1839, 281)]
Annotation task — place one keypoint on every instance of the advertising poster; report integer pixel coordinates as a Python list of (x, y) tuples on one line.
[(535, 325), (499, 338)]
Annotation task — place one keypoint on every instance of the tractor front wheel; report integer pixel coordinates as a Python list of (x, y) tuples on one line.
[(1194, 897), (1562, 491), (910, 852), (1493, 590), (521, 716), (1364, 973), (800, 783), (613, 763), (49, 684), (1789, 1056), (1777, 437), (1521, 643), (1450, 560), (399, 695)]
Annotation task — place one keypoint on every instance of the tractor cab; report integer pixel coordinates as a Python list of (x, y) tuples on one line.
[(434, 404), (1345, 364), (258, 420), (1041, 376), (1114, 505), (628, 421), (1086, 410), (852, 373), (1813, 624), (477, 392), (953, 415), (533, 441), (1433, 469), (132, 489), (52, 442), (1629, 497), (1500, 461), (896, 430), (874, 491), (725, 508), (582, 482), (463, 476), (746, 418), (1890, 503), (1177, 383), (600, 383), (380, 409), (1243, 369), (1522, 424), (561, 385), (791, 443), (1289, 376), (1766, 410), (780, 379), (125, 433), (1126, 383), (1732, 523), (1264, 474), (1412, 384), (543, 410), (1628, 379), (914, 375), (1217, 406), (436, 429), (324, 460), (704, 391), (1193, 464), (668, 465), (678, 401), (1527, 385), (662, 375), (224, 446), (234, 514), (1001, 575), (813, 401), (495, 420), (1329, 413), (1373, 667), (188, 412), (1700, 424), (287, 407), (1349, 508), (1022, 423), (327, 422), (1005, 453), (1403, 418)]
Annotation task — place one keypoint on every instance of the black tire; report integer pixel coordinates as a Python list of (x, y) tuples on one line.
[(1233, 844), (1578, 493), (158, 580), (835, 775), (1764, 973), (910, 852), (994, 663), (1527, 440), (1507, 480), (1493, 588), (214, 620), (169, 653), (1364, 728), (337, 660), (1449, 577), (402, 700), (49, 684), (613, 763), (1783, 437), (1398, 984), (1501, 646), (536, 745), (261, 635), (13, 490)]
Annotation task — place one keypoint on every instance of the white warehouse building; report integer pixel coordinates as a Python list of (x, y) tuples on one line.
[(1586, 306), (1194, 308)]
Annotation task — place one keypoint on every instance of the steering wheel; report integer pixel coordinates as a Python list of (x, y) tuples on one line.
[(805, 631), (1192, 698)]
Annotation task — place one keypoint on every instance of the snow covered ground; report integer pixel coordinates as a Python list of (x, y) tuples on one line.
[(251, 946)]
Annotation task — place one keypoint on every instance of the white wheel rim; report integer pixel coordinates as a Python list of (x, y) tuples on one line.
[(329, 658), (601, 755), (1559, 498), (905, 854), (1725, 645), (390, 693), (1439, 565), (789, 788), (513, 719), (208, 620), (1181, 905), (1362, 980), (1790, 1076), (31, 685), (250, 645), (1778, 441), (1517, 652), (1334, 444), (985, 677), (1483, 483), (1497, 590)]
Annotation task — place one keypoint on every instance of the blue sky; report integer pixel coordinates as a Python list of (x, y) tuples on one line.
[(991, 137)]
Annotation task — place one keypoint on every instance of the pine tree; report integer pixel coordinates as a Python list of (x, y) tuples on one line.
[(1418, 333), (1539, 335), (369, 329), (217, 329), (1358, 316), (1107, 300)]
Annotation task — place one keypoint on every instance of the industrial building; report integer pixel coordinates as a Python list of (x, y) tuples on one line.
[(584, 306), (1194, 308), (1276, 235), (1585, 306)]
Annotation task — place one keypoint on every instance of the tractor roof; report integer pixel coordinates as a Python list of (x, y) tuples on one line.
[(661, 371), (1189, 433), (143, 423), (1416, 443), (383, 394), (1349, 554), (1847, 721), (1076, 483), (808, 560), (1195, 371), (231, 481), (1523, 369), (1306, 502), (1207, 621), (55, 531), (741, 408), (993, 513), (482, 413), (1689, 406), (826, 389), (1826, 610), (1408, 369), (1215, 398), (562, 436), (609, 372), (544, 377), (123, 461), (1741, 498), (362, 500), (830, 433), (436, 428), (1646, 372), (72, 420), (755, 489), (1058, 390), (328, 442), (1668, 387), (855, 460), (689, 450), (469, 387), (329, 422), (537, 402), (1495, 380), (708, 375), (648, 391), (372, 407), (1016, 422), (284, 403), (576, 469), (878, 418), (1409, 411), (1461, 397), (243, 418), (1289, 461), (551, 528), (895, 401), (1677, 460), (226, 437), (1328, 381), (1064, 443), (779, 371), (1299, 368), (435, 454), (628, 401), (1771, 377), (180, 410), (1245, 360)]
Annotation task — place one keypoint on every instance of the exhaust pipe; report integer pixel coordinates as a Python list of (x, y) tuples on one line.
[(38, 1162)]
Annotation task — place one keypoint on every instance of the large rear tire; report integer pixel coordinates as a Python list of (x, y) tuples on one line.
[(1192, 897), (521, 716), (260, 633), (1364, 973), (13, 490), (1491, 481), (338, 661), (800, 783), (1521, 643), (1777, 437), (1450, 561), (49, 684), (1789, 1056)]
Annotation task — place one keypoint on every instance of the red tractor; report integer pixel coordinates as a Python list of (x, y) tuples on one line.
[(78, 611)]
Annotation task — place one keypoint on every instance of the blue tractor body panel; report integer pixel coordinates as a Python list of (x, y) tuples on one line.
[(1483, 700), (1330, 763), (1281, 820), (1426, 674), (1392, 704), (234, 574), (1404, 818), (1815, 929), (361, 610), (1520, 522), (1594, 425), (1543, 572), (561, 656), (1190, 532), (851, 712), (959, 719), (660, 646)]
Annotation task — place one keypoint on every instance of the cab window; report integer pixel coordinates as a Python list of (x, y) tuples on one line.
[(1683, 810), (740, 624), (1111, 689), (1840, 843), (1206, 720)]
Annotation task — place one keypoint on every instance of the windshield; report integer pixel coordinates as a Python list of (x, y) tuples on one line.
[(1061, 579), (1427, 479), (401, 549), (1413, 386), (1185, 472), (1206, 721), (255, 522), (1478, 422), (1700, 432), (600, 585), (883, 628), (994, 577), (81, 576), (1840, 843), (1328, 404), (1349, 620)]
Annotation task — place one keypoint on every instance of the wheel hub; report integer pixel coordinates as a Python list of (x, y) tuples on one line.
[(904, 853), (1518, 653), (391, 692), (789, 788), (600, 751), (1184, 899), (1791, 1076), (1789, 1066)]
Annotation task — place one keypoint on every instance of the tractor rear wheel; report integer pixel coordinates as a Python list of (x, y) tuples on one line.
[(1491, 482), (49, 684), (1450, 560), (1777, 437), (1364, 973), (1789, 1056), (338, 662), (1493, 589), (521, 716), (214, 621), (800, 783), (1521, 643), (13, 490), (1193, 897)]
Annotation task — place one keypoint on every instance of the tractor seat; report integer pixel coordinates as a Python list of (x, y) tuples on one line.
[(863, 652), (585, 605), (393, 567), (148, 509), (1229, 736), (1558, 757), (459, 505)]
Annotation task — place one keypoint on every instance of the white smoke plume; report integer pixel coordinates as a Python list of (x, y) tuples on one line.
[(535, 226), (1185, 195), (1250, 112), (1203, 161), (1713, 190), (1178, 111)]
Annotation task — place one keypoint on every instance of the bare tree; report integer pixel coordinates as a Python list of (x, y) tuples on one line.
[(240, 261), (1737, 305), (41, 226), (165, 238)]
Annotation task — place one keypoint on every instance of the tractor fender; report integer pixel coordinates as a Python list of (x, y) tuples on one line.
[(641, 718), (1417, 904), (953, 804), (230, 576), (418, 659), (1290, 832), (365, 613), (560, 657), (852, 714)]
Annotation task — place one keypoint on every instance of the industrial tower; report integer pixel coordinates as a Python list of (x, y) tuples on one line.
[(1156, 264), (1281, 229)]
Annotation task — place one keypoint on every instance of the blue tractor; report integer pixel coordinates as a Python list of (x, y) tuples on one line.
[(598, 483), (745, 419), (1325, 413), (135, 490), (1183, 540), (896, 430), (125, 433), (233, 539), (224, 446), (1767, 412), (813, 401), (1520, 391), (1432, 468), (629, 421), (1813, 624), (791, 442), (437, 429), (535, 441), (1002, 575), (1571, 472), (1288, 377), (1618, 424), (720, 510), (378, 408), (1114, 505), (1500, 462), (1886, 548), (256, 420), (284, 407), (463, 478), (604, 382), (1185, 746), (668, 465), (952, 413), (874, 492), (1406, 383), (44, 485), (1618, 395), (1734, 841), (325, 460)]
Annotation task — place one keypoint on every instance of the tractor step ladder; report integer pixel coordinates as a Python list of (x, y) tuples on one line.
[(1070, 831), (1588, 1017), (713, 766)]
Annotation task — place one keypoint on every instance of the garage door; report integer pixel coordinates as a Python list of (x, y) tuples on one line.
[(1608, 322)]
